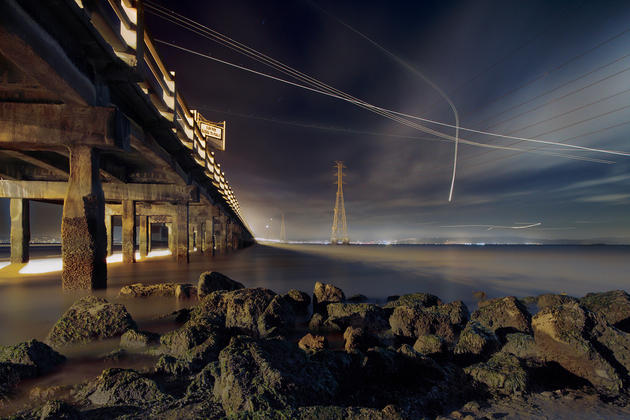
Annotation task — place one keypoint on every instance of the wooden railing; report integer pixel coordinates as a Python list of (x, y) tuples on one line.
[(121, 24)]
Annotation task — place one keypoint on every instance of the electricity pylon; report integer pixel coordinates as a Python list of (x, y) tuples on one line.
[(338, 234), (283, 230)]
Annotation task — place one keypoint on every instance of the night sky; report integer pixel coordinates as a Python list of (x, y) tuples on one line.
[(552, 70)]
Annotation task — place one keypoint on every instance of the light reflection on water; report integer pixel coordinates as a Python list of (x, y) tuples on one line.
[(29, 305)]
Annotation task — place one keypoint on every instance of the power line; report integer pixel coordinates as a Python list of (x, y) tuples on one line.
[(402, 121), (341, 95)]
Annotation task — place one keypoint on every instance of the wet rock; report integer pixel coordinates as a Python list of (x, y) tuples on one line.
[(9, 377), (151, 290), (30, 359), (258, 312), (501, 374), (311, 343), (357, 339), (476, 341), (269, 374), (185, 291), (59, 410), (359, 298), (323, 294), (90, 318), (212, 281), (365, 315), (190, 347), (521, 345), (441, 320), (424, 300), (503, 315), (550, 299), (138, 340), (122, 387), (613, 306), (430, 345), (299, 301), (563, 335), (316, 324)]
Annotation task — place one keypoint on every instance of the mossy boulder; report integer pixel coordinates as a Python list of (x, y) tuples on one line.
[(476, 342), (502, 374), (257, 312), (613, 306), (299, 301), (357, 339), (137, 290), (30, 358), (521, 345), (255, 375), (90, 318), (138, 340), (441, 320), (364, 315), (565, 334), (212, 281), (550, 299), (430, 345), (503, 315), (59, 410), (122, 387), (425, 300), (323, 294)]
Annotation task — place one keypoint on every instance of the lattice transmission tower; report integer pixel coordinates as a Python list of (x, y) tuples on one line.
[(339, 233)]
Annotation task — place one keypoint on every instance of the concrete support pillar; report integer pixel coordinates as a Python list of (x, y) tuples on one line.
[(83, 237), (109, 230), (144, 236), (180, 230), (230, 236), (171, 239), (20, 230), (191, 237), (149, 234), (129, 231), (208, 232)]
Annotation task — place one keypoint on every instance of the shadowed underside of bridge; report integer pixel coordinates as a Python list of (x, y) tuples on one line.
[(91, 118)]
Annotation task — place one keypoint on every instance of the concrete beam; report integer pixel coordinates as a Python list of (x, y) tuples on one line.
[(39, 55), (20, 230), (55, 170), (45, 190), (28, 125)]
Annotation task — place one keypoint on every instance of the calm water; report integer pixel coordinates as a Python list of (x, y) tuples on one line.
[(30, 304)]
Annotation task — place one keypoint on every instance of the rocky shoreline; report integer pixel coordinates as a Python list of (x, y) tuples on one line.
[(251, 353)]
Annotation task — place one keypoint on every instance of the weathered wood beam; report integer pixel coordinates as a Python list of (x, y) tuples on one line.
[(49, 125), (38, 54), (45, 190)]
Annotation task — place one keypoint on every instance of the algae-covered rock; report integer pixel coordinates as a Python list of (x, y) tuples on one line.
[(424, 300), (90, 318), (521, 345), (441, 320), (269, 374), (563, 333), (312, 343), (151, 290), (364, 315), (323, 294), (357, 339), (298, 300), (614, 306), (503, 374), (30, 358), (258, 312), (503, 315), (430, 345), (212, 281), (122, 387), (138, 340), (550, 299), (316, 323), (59, 410), (476, 341)]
